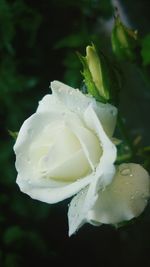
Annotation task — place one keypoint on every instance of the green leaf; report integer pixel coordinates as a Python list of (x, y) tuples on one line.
[(72, 41), (13, 134), (12, 260), (12, 234), (145, 52)]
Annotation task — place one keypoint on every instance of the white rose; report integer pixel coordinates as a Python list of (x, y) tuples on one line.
[(125, 198), (65, 145)]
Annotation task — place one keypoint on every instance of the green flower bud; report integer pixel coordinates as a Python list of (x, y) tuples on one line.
[(96, 68), (124, 41), (99, 77)]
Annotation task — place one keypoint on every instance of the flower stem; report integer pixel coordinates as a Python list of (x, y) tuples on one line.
[(126, 138)]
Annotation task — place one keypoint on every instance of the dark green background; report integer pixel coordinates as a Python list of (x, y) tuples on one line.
[(38, 41)]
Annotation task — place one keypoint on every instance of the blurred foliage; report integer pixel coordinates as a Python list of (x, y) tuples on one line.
[(38, 41), (146, 50)]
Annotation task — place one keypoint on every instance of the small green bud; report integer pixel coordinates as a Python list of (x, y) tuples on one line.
[(124, 41), (99, 76), (96, 67), (94, 73)]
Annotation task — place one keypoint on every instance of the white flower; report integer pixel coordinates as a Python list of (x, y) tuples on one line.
[(125, 198), (65, 145)]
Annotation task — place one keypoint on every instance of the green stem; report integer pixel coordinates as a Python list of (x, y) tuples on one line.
[(126, 138)]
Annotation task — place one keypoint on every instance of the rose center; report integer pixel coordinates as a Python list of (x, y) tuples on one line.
[(63, 156)]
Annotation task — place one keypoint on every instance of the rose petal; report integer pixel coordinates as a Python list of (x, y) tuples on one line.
[(90, 144), (75, 167), (108, 117), (51, 194), (29, 180), (85, 200), (80, 205), (125, 198), (50, 103), (76, 212), (105, 167), (74, 100)]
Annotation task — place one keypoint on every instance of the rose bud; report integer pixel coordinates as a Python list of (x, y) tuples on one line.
[(124, 41)]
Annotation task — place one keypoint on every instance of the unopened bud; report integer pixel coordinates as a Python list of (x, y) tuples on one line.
[(124, 41), (99, 77)]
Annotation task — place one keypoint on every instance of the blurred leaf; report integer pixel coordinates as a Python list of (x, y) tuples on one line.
[(12, 234), (145, 52), (2, 219), (72, 74), (12, 260), (7, 30), (3, 198), (72, 41), (27, 18), (13, 134), (27, 208)]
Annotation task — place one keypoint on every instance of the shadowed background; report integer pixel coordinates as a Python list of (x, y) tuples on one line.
[(38, 41)]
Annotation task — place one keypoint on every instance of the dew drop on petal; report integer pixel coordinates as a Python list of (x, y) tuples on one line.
[(125, 171), (30, 132), (28, 160), (113, 112)]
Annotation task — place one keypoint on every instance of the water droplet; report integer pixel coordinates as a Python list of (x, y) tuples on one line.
[(113, 112), (103, 189), (132, 197), (28, 160), (70, 93), (43, 172), (29, 181), (125, 172), (30, 132), (145, 197)]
